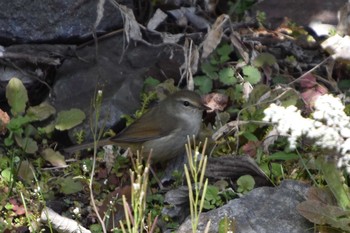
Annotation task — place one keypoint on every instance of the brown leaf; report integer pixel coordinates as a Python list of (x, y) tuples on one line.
[(54, 157), (319, 213), (250, 148), (321, 208), (310, 96), (215, 101), (308, 81), (239, 46), (214, 36), (4, 120), (322, 195), (131, 26)]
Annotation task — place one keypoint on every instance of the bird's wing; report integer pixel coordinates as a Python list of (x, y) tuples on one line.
[(141, 130)]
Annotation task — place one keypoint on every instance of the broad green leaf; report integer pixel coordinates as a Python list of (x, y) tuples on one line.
[(289, 98), (17, 96), (17, 123), (69, 119), (272, 169), (251, 74), (250, 136), (47, 129), (245, 183), (25, 171), (96, 228), (8, 141), (212, 192), (264, 59), (69, 185), (204, 83), (54, 157), (224, 52), (150, 81), (280, 79), (40, 112), (210, 70), (334, 179), (27, 144), (283, 156), (9, 206), (226, 76), (6, 175)]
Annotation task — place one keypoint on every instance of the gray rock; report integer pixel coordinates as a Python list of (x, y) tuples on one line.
[(263, 210), (66, 21), (301, 12), (34, 65), (116, 71)]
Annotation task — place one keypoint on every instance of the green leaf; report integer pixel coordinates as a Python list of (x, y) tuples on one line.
[(226, 76), (335, 181), (289, 98), (150, 81), (69, 119), (40, 112), (8, 141), (17, 96), (258, 91), (344, 85), (251, 74), (47, 129), (69, 185), (224, 52), (25, 171), (264, 59), (9, 206), (272, 169), (16, 124), (54, 157), (250, 136), (27, 144), (6, 175), (280, 79), (204, 83), (212, 198), (245, 183), (95, 228), (210, 70), (280, 155), (212, 192)]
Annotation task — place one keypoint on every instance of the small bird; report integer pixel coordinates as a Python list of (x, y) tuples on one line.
[(163, 129)]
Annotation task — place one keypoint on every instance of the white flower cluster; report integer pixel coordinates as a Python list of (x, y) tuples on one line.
[(330, 126)]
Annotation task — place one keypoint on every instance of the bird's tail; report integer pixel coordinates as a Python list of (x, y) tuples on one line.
[(88, 145)]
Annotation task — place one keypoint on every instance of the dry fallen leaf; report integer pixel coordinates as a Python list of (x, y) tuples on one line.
[(214, 36), (131, 26), (4, 120), (239, 46), (216, 101), (54, 157), (158, 17)]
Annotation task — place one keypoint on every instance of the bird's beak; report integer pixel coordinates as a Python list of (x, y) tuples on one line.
[(205, 107)]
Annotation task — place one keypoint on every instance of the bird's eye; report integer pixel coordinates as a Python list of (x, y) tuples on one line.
[(186, 103)]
